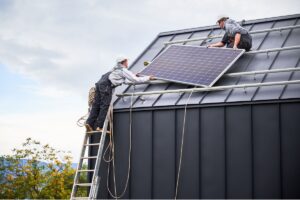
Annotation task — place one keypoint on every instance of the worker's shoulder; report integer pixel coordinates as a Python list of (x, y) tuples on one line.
[(125, 70)]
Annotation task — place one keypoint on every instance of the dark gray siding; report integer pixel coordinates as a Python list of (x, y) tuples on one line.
[(239, 152), (290, 141), (141, 169), (163, 154), (212, 145), (266, 151), (189, 186), (233, 151), (121, 140)]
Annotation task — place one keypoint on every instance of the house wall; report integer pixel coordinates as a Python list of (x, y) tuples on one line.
[(230, 151)]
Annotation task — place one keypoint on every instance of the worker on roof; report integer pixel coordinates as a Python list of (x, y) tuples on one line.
[(235, 36), (104, 90)]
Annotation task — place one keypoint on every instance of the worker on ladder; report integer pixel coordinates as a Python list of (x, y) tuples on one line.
[(104, 90), (235, 36)]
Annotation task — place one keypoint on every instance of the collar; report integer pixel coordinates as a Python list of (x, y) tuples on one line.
[(119, 66)]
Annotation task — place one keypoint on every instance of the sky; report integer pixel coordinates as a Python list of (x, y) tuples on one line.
[(53, 51)]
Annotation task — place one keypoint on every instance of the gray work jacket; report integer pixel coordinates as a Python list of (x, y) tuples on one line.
[(232, 27), (120, 75)]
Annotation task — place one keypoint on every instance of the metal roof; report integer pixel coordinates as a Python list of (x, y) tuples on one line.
[(248, 62)]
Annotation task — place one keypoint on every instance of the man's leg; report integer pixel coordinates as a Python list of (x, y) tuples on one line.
[(230, 45), (245, 43), (95, 109), (106, 96)]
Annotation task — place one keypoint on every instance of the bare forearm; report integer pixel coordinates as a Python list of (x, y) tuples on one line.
[(237, 39), (218, 44)]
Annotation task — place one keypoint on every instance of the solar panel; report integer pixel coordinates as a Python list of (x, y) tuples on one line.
[(192, 65)]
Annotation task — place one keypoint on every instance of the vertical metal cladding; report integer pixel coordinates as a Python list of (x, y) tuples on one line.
[(290, 143), (232, 151)]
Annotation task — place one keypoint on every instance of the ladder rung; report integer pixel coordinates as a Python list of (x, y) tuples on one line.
[(92, 144), (84, 184), (94, 184), (85, 170), (92, 132), (89, 157)]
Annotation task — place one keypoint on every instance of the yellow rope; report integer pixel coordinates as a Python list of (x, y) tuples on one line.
[(91, 98)]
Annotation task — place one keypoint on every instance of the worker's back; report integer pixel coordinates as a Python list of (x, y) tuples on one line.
[(104, 80)]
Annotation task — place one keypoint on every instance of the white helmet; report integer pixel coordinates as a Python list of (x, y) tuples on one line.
[(121, 58)]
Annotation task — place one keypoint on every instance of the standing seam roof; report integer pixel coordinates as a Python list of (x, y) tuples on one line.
[(248, 62)]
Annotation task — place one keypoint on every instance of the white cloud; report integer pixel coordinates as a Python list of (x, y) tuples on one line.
[(57, 129), (67, 44)]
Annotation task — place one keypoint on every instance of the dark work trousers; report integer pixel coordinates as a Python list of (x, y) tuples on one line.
[(103, 95), (245, 42)]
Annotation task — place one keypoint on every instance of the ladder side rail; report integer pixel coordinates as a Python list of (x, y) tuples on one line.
[(96, 178), (79, 166)]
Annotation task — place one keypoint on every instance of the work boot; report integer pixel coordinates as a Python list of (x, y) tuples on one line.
[(101, 130), (88, 128)]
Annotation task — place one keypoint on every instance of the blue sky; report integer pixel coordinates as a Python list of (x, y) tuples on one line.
[(11, 91), (18, 97), (52, 52)]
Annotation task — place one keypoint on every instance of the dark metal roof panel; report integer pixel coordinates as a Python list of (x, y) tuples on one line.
[(261, 62), (148, 101), (126, 102), (151, 53), (248, 62), (198, 35), (292, 91), (171, 98), (283, 59)]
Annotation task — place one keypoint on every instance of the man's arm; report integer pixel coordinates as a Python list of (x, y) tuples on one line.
[(237, 39), (133, 78), (221, 43), (218, 44)]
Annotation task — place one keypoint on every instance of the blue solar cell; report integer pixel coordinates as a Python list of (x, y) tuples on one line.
[(192, 65)]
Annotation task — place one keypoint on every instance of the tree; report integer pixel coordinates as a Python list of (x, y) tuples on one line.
[(36, 171)]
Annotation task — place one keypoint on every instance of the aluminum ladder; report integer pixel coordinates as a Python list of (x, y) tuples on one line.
[(94, 185)]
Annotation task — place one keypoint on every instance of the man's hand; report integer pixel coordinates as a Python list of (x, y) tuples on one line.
[(218, 44), (235, 47), (152, 78)]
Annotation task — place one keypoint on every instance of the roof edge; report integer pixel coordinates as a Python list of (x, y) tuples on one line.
[(208, 105), (144, 51), (215, 26)]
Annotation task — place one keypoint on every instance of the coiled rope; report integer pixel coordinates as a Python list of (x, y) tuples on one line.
[(91, 98), (111, 157)]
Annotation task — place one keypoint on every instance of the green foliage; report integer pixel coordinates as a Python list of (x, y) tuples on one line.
[(36, 171)]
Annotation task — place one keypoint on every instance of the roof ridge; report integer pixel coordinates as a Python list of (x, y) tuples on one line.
[(215, 26)]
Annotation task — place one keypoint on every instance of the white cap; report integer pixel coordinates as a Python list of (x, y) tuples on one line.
[(121, 58), (221, 17)]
